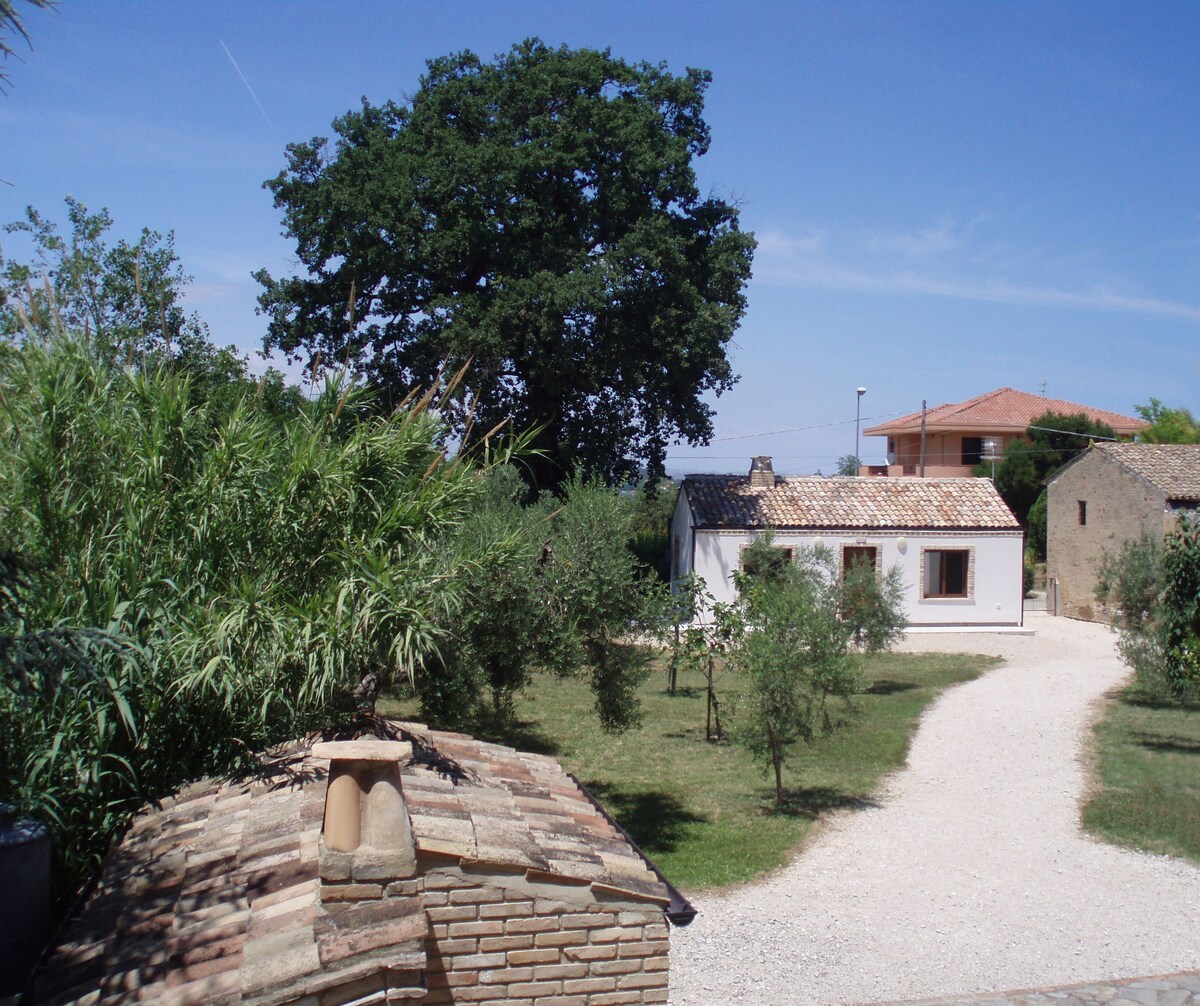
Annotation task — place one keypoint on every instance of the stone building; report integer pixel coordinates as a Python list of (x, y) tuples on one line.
[(430, 869), (1106, 496)]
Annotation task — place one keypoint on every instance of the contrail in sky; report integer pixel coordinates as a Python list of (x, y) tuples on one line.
[(249, 88)]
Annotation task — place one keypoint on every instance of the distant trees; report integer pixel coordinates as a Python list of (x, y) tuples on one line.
[(1167, 426), (802, 627), (1050, 441), (848, 464), (535, 218), (124, 298)]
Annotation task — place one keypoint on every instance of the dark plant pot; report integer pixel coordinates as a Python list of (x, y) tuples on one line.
[(25, 889)]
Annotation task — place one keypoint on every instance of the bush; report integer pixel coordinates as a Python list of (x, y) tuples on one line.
[(206, 573), (1151, 584)]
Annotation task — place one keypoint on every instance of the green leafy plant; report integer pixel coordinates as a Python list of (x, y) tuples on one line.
[(806, 625), (538, 216)]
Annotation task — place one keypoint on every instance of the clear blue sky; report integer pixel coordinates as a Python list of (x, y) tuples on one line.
[(948, 197)]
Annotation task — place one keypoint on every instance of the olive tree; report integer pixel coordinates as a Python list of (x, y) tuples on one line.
[(807, 625)]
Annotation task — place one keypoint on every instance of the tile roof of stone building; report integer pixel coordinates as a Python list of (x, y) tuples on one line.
[(730, 502), (215, 897), (1002, 410), (1173, 468)]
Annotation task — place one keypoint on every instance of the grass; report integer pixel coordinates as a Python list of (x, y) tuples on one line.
[(1148, 775), (704, 812)]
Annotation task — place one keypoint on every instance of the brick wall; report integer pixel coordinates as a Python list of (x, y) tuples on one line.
[(509, 940), (1119, 506), (496, 938)]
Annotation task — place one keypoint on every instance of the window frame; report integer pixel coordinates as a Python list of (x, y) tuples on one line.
[(789, 549), (968, 594)]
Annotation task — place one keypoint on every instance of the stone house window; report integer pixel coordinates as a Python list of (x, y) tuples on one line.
[(1082, 512)]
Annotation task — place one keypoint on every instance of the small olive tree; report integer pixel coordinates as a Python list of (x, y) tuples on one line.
[(1152, 583), (808, 625)]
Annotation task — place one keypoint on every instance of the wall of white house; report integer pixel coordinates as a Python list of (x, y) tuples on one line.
[(681, 538), (994, 584)]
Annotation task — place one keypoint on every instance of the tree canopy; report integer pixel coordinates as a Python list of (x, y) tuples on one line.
[(1167, 426), (538, 216), (798, 631), (1051, 440)]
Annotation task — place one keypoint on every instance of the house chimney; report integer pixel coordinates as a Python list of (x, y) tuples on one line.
[(762, 475), (366, 834)]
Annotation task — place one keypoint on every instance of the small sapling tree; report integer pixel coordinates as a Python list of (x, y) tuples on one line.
[(808, 624)]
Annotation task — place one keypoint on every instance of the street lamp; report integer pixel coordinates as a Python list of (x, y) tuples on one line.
[(857, 417)]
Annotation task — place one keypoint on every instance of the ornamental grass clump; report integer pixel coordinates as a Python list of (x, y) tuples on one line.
[(194, 579)]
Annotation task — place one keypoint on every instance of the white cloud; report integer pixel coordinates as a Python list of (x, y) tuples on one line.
[(923, 243), (882, 263)]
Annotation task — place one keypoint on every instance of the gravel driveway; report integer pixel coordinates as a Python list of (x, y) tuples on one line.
[(973, 875)]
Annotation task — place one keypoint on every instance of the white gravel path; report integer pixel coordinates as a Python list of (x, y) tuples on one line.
[(973, 875)]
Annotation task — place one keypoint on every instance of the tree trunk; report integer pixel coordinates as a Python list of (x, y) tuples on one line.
[(777, 761)]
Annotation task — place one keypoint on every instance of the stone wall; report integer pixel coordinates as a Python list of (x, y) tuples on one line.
[(1118, 506)]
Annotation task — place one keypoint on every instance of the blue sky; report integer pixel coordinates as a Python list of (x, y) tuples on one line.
[(948, 197)]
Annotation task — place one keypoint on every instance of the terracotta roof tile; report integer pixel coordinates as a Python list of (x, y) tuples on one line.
[(1173, 468), (215, 897), (817, 503), (1002, 410)]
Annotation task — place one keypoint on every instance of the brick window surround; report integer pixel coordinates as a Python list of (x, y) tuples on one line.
[(942, 569)]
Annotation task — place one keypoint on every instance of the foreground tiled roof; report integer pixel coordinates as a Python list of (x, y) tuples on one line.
[(512, 808), (1004, 409), (215, 897), (728, 501), (1173, 468)]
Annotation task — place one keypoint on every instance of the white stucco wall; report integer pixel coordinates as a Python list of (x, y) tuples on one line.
[(681, 538), (996, 596)]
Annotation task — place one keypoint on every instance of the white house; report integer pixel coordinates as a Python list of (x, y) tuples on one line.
[(957, 544)]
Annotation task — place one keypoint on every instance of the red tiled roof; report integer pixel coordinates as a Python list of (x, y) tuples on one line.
[(1004, 409), (215, 897), (729, 501), (1173, 468)]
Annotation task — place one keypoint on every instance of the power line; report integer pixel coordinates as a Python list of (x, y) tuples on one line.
[(802, 429)]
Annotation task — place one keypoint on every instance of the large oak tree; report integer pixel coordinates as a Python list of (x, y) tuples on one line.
[(539, 217)]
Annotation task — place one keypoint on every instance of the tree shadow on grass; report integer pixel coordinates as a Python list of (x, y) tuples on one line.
[(812, 801), (1167, 743), (887, 686), (1141, 698), (655, 820)]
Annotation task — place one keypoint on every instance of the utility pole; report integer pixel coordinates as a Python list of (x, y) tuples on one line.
[(922, 438), (857, 417)]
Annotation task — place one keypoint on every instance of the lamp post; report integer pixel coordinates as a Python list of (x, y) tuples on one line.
[(857, 417)]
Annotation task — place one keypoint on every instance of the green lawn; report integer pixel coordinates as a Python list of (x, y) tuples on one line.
[(704, 812), (1148, 786)]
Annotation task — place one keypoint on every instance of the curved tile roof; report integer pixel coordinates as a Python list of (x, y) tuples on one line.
[(818, 503), (1003, 409), (1173, 468), (215, 897)]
